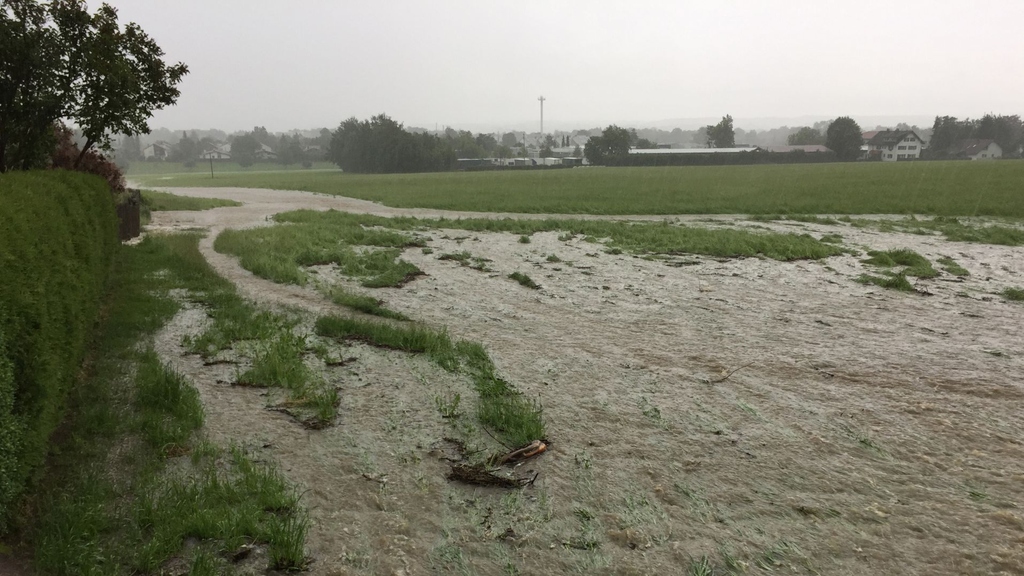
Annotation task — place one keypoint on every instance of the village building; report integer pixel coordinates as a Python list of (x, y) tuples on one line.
[(892, 145), (978, 149)]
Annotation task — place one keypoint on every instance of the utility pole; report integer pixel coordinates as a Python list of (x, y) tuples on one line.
[(542, 99)]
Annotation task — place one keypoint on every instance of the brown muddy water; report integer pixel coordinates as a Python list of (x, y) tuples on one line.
[(769, 416)]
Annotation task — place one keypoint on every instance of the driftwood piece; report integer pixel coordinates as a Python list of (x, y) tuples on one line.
[(480, 476), (522, 453)]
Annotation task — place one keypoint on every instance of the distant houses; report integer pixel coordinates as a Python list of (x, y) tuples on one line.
[(892, 145), (977, 149)]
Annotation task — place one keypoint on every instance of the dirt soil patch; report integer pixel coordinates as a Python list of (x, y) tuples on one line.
[(869, 431)]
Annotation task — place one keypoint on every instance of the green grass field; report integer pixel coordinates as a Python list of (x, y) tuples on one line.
[(934, 188)]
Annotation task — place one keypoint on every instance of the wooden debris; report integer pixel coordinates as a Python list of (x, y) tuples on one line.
[(522, 453), (480, 476)]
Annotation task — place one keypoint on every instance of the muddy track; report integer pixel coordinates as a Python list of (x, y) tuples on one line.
[(869, 432)]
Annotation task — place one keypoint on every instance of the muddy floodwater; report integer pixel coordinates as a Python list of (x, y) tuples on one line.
[(754, 414)]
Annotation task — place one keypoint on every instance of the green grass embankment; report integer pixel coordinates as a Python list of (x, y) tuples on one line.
[(58, 234)]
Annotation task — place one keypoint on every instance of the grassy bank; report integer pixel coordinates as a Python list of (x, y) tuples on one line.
[(110, 503), (58, 235), (934, 188)]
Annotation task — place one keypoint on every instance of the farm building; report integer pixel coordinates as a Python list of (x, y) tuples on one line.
[(808, 148), (892, 145), (735, 150), (978, 149)]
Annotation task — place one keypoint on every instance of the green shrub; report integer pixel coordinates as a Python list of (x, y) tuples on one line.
[(58, 234)]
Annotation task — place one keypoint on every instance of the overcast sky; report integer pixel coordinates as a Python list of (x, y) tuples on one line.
[(477, 64)]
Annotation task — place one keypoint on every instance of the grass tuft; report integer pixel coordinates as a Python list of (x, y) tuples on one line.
[(914, 264), (366, 304), (951, 266), (892, 282), (524, 280), (1013, 294)]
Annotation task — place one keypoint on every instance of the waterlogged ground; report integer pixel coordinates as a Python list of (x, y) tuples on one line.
[(764, 415)]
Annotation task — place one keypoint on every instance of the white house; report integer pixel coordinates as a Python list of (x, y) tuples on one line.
[(978, 149), (157, 150), (893, 145), (216, 154)]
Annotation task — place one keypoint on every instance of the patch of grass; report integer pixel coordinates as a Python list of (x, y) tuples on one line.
[(936, 188), (108, 503), (952, 228), (468, 260), (892, 282), (524, 239), (234, 501), (832, 238), (448, 405), (515, 418), (914, 264), (951, 266), (159, 201), (633, 237), (428, 250), (278, 362), (281, 363), (280, 252), (808, 218), (1013, 294), (553, 258), (366, 304), (524, 280), (169, 408)]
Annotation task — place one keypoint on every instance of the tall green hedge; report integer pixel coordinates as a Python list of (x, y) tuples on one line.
[(58, 234)]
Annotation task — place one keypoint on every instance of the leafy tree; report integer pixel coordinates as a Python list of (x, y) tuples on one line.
[(610, 146), (546, 152), (577, 151), (243, 149), (947, 132), (57, 61), (806, 136), (721, 135), (509, 139), (186, 150), (645, 144), (549, 141), (487, 143), (381, 145), (844, 137)]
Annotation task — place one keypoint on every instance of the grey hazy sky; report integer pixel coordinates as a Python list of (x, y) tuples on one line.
[(309, 63)]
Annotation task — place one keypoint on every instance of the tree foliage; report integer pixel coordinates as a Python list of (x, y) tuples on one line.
[(806, 136), (612, 144), (380, 146), (721, 135), (844, 137), (243, 149), (58, 61)]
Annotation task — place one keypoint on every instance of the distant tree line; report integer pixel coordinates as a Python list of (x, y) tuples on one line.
[(381, 146)]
